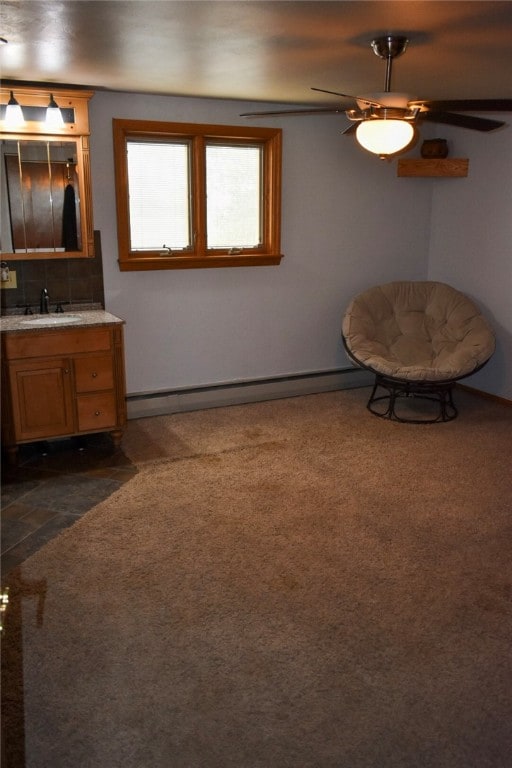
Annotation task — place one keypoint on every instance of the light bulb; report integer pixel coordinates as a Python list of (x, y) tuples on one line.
[(13, 114), (54, 117)]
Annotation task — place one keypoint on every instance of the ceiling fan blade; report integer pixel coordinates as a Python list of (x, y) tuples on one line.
[(355, 99), (461, 121), (312, 111), (351, 129), (466, 105)]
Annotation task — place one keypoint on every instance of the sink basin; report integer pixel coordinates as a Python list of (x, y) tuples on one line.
[(52, 320)]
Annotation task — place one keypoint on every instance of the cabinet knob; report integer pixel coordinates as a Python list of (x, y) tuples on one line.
[(97, 413), (94, 375), (66, 370)]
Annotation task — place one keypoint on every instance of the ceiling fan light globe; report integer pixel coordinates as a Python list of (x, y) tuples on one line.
[(384, 137)]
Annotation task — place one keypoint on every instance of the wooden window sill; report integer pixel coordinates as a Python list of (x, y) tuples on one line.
[(135, 263)]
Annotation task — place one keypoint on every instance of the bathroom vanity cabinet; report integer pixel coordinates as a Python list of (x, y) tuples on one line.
[(62, 380)]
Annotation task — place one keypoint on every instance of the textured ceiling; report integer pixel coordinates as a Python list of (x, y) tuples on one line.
[(259, 51)]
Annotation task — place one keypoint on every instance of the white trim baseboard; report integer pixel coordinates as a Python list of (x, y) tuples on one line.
[(237, 393)]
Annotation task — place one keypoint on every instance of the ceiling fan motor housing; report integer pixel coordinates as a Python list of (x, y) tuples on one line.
[(389, 46), (382, 113)]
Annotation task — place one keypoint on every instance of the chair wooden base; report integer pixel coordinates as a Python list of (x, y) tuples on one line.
[(436, 392)]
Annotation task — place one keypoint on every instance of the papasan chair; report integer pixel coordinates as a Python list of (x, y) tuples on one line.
[(418, 338)]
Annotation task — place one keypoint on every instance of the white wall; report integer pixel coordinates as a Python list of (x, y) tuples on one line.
[(347, 223), (471, 239)]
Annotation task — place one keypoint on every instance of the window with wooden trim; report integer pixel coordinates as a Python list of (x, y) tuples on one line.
[(191, 195)]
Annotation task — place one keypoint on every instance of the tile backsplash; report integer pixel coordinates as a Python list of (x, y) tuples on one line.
[(75, 281)]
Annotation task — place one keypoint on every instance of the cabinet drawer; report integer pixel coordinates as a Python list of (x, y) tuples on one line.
[(96, 412), (94, 372), (57, 342)]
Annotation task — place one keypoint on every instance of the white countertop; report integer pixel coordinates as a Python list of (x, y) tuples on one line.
[(18, 323)]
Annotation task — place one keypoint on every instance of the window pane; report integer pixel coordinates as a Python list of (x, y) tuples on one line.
[(159, 195), (233, 188)]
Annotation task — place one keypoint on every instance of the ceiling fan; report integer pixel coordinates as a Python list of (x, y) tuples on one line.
[(386, 123)]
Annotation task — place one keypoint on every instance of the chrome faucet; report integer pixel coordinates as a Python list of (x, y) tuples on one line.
[(44, 307)]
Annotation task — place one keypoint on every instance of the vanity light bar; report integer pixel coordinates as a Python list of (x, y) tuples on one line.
[(35, 114), (34, 102), (14, 115)]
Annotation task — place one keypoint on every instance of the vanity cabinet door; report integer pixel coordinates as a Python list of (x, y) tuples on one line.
[(42, 398)]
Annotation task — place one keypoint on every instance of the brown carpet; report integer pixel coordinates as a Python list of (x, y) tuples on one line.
[(294, 583)]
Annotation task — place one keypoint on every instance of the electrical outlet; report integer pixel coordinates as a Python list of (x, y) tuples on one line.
[(11, 282)]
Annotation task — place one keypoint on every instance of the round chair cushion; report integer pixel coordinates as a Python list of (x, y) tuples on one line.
[(417, 331)]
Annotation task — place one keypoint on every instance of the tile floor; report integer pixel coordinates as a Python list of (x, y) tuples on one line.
[(53, 485)]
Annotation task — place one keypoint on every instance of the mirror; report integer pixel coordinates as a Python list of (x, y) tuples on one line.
[(41, 199), (45, 189)]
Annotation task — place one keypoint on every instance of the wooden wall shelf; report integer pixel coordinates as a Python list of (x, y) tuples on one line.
[(455, 167)]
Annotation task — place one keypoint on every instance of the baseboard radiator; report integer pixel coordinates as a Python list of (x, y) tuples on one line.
[(236, 393)]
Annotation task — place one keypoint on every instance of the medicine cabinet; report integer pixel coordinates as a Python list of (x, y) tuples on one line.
[(46, 196)]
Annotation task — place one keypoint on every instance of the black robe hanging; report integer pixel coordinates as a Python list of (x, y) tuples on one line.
[(69, 226)]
